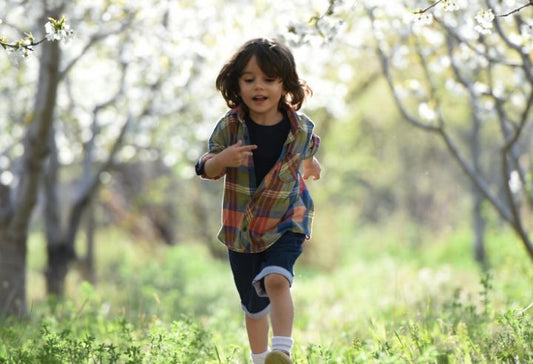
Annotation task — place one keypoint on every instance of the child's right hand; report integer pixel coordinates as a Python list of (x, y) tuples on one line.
[(236, 155)]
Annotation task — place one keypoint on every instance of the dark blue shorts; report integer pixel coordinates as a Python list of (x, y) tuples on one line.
[(250, 269)]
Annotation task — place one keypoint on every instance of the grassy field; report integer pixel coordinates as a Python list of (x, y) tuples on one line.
[(362, 296)]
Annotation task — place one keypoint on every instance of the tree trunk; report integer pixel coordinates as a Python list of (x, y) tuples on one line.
[(61, 244), (479, 228), (478, 222), (60, 254), (12, 274), (14, 224), (88, 268)]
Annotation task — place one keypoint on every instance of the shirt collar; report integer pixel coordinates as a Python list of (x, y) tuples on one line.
[(291, 113)]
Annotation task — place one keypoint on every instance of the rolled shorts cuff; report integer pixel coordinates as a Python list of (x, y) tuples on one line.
[(256, 315), (266, 271)]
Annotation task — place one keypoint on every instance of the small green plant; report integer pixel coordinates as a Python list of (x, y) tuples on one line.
[(179, 308)]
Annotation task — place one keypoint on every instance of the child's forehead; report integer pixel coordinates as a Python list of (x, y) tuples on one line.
[(252, 65), (255, 67)]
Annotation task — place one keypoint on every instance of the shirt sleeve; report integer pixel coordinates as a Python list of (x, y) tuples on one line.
[(313, 141), (218, 141)]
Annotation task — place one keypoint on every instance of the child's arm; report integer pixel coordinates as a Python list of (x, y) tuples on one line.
[(233, 156), (311, 168)]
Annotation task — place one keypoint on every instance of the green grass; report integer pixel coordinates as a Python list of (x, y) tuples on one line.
[(372, 297)]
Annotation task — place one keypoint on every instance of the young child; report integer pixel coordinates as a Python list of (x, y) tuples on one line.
[(260, 146)]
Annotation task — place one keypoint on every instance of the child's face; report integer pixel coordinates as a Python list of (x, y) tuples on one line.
[(260, 93)]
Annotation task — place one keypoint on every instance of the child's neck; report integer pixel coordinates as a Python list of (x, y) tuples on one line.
[(267, 120)]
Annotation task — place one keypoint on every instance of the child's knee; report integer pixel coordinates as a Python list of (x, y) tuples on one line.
[(276, 282)]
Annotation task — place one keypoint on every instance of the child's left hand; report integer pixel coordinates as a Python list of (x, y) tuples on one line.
[(311, 168)]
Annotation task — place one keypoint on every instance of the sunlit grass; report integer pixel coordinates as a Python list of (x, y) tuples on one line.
[(368, 295)]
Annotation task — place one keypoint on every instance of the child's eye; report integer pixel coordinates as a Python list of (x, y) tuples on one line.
[(270, 80), (248, 80)]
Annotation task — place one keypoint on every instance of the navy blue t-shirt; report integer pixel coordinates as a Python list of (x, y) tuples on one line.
[(269, 140)]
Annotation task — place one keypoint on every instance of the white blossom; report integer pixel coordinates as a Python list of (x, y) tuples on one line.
[(434, 37), (481, 88), (17, 54), (526, 30), (55, 32), (514, 182), (423, 18), (455, 87), (416, 88), (518, 100), (440, 64), (450, 5), (6, 178), (400, 57), (426, 112), (526, 33), (484, 19)]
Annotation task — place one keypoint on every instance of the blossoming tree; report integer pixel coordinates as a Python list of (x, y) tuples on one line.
[(479, 62), (474, 59), (462, 71)]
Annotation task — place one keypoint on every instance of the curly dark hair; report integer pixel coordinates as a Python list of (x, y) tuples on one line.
[(275, 60)]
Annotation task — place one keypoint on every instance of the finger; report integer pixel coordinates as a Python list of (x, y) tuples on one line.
[(238, 144), (248, 147)]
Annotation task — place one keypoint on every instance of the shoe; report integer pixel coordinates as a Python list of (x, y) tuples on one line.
[(277, 357)]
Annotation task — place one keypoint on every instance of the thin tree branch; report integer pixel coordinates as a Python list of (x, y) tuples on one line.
[(432, 88), (384, 60), (526, 61), (516, 10), (517, 220), (363, 87), (23, 45), (421, 11), (84, 198)]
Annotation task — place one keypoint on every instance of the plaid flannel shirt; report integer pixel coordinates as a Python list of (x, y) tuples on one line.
[(254, 217)]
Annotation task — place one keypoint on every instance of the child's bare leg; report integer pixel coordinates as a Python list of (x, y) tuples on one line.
[(257, 329), (281, 306)]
